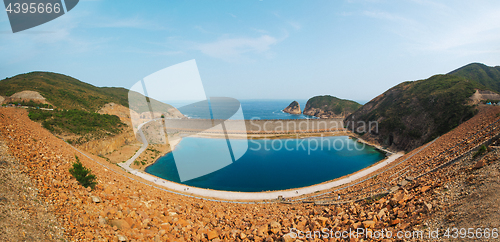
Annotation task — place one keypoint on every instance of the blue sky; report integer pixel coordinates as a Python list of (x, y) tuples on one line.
[(253, 49)]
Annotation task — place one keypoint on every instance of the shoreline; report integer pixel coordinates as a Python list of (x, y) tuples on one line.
[(264, 195)]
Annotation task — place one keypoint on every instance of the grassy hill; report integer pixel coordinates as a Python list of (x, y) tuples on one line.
[(63, 91), (416, 112), (329, 106)]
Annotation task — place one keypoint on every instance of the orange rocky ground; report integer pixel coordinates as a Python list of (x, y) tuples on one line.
[(124, 209)]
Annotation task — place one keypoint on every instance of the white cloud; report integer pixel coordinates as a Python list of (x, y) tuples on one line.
[(295, 25), (483, 28), (462, 27), (234, 48)]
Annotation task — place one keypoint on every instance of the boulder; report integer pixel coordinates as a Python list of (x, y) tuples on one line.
[(275, 227), (479, 164), (95, 199), (290, 237), (120, 224), (212, 234)]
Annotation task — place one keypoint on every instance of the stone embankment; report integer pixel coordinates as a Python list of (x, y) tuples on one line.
[(256, 126), (125, 208)]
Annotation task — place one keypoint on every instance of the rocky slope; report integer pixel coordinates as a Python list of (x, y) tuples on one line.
[(293, 108), (329, 107), (24, 217), (126, 208), (412, 113)]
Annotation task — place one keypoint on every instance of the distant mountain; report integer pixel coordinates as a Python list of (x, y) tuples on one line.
[(329, 107), (416, 112)]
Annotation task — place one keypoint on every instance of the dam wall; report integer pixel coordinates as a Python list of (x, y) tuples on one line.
[(254, 126)]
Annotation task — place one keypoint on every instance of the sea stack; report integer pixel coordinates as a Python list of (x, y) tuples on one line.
[(293, 108)]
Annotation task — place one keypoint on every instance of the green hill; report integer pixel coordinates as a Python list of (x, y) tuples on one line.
[(76, 104), (65, 92), (416, 112), (483, 74), (329, 106)]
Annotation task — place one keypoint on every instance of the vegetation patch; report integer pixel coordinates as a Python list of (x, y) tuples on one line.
[(30, 103), (333, 104), (85, 125)]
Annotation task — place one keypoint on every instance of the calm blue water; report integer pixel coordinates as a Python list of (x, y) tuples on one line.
[(258, 108), (265, 166)]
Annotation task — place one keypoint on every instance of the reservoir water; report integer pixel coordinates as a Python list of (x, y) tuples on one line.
[(272, 164)]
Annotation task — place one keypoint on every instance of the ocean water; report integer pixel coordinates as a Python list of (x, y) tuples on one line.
[(270, 165), (251, 108)]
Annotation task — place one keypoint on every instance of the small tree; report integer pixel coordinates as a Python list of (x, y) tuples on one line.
[(82, 174)]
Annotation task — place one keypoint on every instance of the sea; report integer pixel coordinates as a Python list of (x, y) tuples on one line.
[(265, 109)]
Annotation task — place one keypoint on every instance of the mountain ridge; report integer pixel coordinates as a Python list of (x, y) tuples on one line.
[(414, 112)]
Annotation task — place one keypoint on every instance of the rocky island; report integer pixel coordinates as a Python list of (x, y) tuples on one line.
[(293, 108), (329, 107)]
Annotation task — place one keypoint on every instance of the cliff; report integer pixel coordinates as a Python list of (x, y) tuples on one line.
[(293, 108), (329, 107)]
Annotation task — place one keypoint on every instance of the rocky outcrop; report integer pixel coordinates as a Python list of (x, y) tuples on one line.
[(116, 109), (26, 96), (483, 95), (1, 100), (329, 107), (109, 144), (293, 108)]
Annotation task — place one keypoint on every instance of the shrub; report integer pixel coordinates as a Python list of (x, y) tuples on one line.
[(82, 174), (480, 151)]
